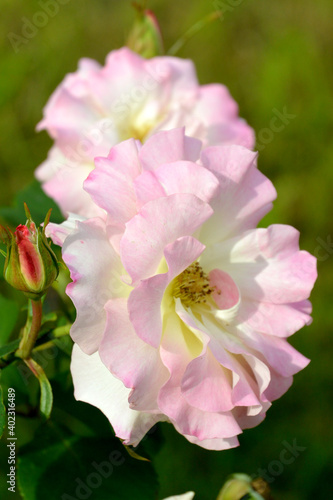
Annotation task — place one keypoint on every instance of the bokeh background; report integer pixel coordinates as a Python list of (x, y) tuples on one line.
[(272, 55)]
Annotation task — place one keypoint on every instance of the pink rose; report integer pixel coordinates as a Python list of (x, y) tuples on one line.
[(183, 306), (98, 107)]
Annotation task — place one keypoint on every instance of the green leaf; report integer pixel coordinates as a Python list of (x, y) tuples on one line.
[(9, 314), (46, 396), (35, 197), (58, 465), (9, 348), (2, 413)]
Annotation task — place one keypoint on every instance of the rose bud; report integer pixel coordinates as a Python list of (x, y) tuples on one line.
[(242, 487), (31, 266), (145, 37)]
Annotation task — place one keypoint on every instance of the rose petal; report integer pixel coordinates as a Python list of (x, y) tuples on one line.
[(111, 397)]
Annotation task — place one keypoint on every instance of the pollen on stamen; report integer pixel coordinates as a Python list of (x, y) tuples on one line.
[(192, 286)]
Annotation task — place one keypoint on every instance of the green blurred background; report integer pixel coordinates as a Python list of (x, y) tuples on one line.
[(272, 55)]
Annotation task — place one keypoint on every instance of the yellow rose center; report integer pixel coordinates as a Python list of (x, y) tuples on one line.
[(192, 286)]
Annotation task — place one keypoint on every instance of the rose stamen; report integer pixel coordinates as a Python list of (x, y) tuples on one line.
[(192, 286)]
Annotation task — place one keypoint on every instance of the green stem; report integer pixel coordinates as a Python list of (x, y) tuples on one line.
[(193, 31), (30, 335), (57, 333)]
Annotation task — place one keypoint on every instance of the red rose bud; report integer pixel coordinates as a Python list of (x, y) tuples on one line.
[(31, 266), (145, 37)]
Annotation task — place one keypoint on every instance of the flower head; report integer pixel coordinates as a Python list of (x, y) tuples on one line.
[(98, 107), (183, 306), (31, 265)]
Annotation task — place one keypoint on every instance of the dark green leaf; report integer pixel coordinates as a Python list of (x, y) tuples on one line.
[(9, 314), (39, 204), (9, 348), (12, 346), (46, 396), (58, 465)]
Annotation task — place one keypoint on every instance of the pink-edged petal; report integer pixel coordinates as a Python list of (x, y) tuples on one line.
[(159, 223), (94, 384), (125, 71), (278, 386), (251, 374), (177, 350), (66, 188), (216, 104), (246, 195), (244, 389), (281, 320), (289, 274), (144, 303), (276, 352), (176, 177), (63, 178), (96, 273), (233, 354), (59, 232), (266, 264), (55, 161), (247, 421), (65, 105), (136, 363), (219, 112), (187, 177), (116, 174), (207, 385), (229, 133), (217, 444), (179, 73), (75, 84), (147, 188), (226, 293), (167, 147)]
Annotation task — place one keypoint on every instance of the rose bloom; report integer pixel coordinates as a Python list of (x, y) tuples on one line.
[(98, 107), (183, 306)]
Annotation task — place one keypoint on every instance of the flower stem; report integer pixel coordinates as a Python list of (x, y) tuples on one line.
[(30, 334), (193, 31)]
